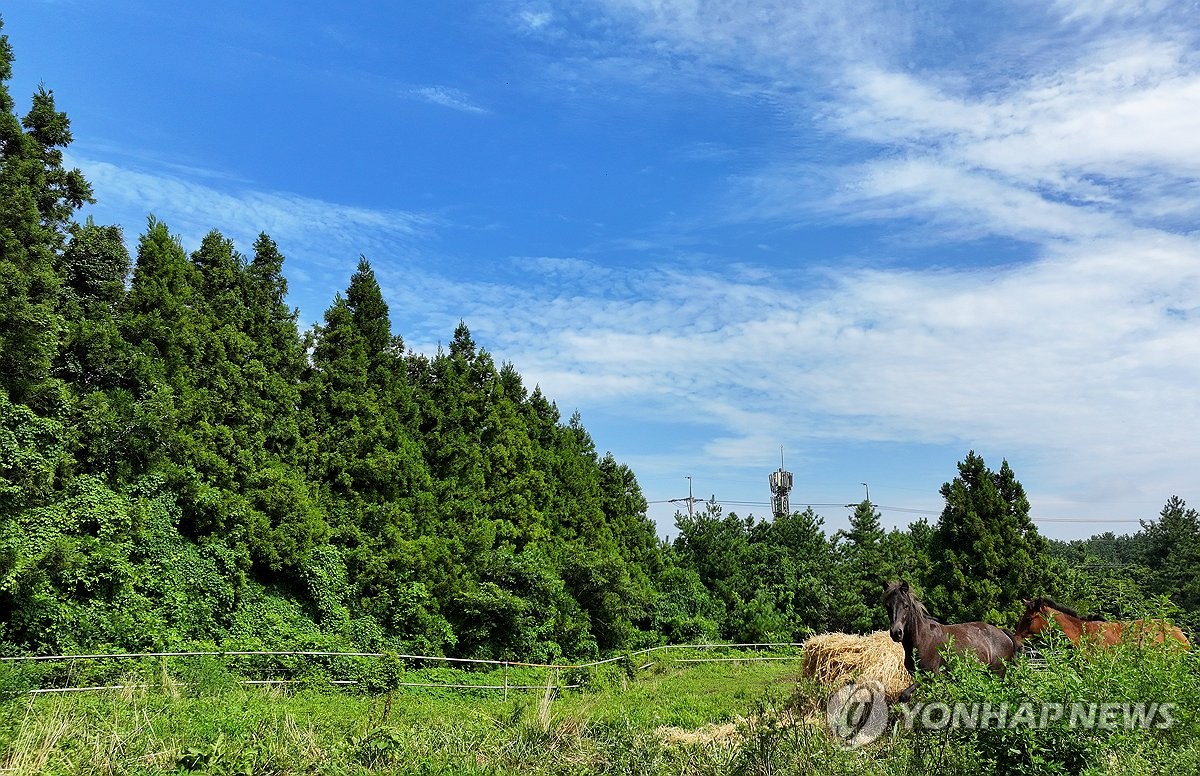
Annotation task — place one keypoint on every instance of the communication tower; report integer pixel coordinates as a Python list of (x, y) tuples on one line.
[(781, 484)]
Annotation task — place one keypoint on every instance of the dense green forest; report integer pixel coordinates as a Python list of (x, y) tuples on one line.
[(181, 465)]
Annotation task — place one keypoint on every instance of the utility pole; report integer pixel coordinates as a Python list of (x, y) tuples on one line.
[(868, 487), (691, 500)]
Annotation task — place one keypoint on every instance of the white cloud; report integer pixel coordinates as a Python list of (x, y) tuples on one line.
[(1074, 357), (535, 19), (1097, 11), (449, 97), (191, 209), (1115, 115), (1084, 358), (776, 36)]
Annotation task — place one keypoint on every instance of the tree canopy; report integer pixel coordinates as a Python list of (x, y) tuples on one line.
[(180, 465)]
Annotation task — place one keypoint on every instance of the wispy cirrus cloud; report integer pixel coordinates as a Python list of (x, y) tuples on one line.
[(449, 97), (322, 240), (196, 207), (1081, 356), (1096, 11), (1080, 151), (1105, 136), (535, 18)]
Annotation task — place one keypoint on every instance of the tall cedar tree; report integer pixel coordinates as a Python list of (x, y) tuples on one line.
[(377, 489), (986, 553), (1170, 548), (37, 199), (93, 357), (863, 565)]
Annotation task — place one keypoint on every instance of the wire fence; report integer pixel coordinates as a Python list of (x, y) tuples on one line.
[(376, 671)]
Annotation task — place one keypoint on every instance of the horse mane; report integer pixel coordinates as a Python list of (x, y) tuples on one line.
[(918, 608), (1038, 603)]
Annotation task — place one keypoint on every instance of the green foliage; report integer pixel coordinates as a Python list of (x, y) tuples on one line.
[(685, 610), (1076, 742), (31, 457), (775, 580), (1170, 550), (866, 561), (37, 198), (985, 552), (16, 680), (178, 465)]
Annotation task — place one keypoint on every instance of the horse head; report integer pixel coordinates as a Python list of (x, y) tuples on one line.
[(902, 608), (1032, 622)]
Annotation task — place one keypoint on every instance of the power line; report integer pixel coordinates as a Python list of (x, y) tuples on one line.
[(907, 510), (1085, 520)]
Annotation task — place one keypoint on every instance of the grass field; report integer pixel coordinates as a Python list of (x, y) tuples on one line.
[(667, 718)]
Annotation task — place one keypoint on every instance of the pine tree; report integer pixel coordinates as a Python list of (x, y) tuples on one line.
[(986, 553), (94, 357), (94, 267), (862, 568), (37, 199), (1170, 548), (157, 315), (278, 349), (377, 488)]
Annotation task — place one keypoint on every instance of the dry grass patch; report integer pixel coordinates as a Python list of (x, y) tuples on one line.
[(713, 733)]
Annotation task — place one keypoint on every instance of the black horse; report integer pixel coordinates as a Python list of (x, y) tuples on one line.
[(918, 631)]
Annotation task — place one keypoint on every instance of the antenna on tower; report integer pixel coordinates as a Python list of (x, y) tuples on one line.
[(781, 485)]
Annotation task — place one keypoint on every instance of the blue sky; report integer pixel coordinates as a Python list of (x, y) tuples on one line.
[(876, 236)]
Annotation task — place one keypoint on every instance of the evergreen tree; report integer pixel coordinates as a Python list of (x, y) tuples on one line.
[(794, 557), (93, 354), (37, 199), (916, 548), (94, 357), (279, 357), (157, 315), (862, 568), (576, 512), (377, 488), (986, 553), (1170, 548)]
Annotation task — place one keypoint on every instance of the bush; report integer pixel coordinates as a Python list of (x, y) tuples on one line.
[(1017, 731)]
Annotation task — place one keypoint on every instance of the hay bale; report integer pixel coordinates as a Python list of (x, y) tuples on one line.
[(835, 659)]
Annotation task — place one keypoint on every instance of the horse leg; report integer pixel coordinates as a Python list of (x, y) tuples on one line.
[(933, 664)]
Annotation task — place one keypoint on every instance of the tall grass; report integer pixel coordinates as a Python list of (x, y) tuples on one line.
[(747, 719), (202, 721)]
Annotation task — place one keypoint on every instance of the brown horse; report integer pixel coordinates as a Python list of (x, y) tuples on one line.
[(918, 631), (1040, 611)]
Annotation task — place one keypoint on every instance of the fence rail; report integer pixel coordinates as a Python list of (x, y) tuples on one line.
[(557, 668)]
